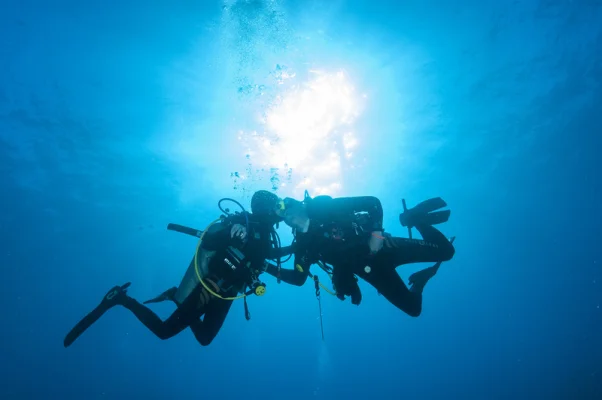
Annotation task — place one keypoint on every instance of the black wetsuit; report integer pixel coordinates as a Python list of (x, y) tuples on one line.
[(255, 249), (339, 234)]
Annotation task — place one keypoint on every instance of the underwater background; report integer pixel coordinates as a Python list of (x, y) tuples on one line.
[(119, 118)]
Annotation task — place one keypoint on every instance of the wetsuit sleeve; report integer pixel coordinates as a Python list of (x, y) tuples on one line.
[(296, 276), (282, 252), (343, 210)]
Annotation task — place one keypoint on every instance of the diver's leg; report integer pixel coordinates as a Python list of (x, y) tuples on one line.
[(399, 251), (169, 294), (175, 324), (215, 315), (185, 314), (434, 247), (418, 280), (390, 285)]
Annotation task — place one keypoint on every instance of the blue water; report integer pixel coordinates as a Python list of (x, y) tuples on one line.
[(116, 120)]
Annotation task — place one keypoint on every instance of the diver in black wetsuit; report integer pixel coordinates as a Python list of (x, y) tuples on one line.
[(347, 233), (231, 256)]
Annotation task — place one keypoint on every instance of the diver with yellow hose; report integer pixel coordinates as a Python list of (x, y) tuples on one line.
[(231, 254)]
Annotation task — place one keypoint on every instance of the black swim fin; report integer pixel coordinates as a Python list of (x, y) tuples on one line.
[(430, 205), (167, 295), (424, 213), (111, 299)]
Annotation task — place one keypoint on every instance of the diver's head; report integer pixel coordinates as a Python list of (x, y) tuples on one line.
[(265, 206), (294, 214)]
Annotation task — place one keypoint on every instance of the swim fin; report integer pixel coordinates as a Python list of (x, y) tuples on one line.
[(424, 213), (111, 299), (165, 296)]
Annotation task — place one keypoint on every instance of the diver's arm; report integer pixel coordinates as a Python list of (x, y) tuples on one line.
[(282, 251), (344, 210), (295, 277)]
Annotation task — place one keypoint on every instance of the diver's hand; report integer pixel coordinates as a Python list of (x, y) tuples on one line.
[(345, 284), (376, 242), (205, 296), (238, 231)]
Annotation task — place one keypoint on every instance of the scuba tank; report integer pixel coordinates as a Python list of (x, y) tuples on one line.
[(190, 280)]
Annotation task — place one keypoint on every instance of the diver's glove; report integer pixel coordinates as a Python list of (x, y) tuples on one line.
[(238, 231), (205, 296), (345, 284)]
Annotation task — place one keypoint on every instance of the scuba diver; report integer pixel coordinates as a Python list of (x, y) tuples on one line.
[(231, 254), (345, 237)]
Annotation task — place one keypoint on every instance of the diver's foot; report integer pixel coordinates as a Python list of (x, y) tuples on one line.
[(116, 295), (418, 280), (169, 294)]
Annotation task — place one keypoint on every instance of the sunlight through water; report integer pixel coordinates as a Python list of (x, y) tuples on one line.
[(307, 139)]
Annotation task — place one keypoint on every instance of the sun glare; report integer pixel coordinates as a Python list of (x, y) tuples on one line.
[(307, 136)]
